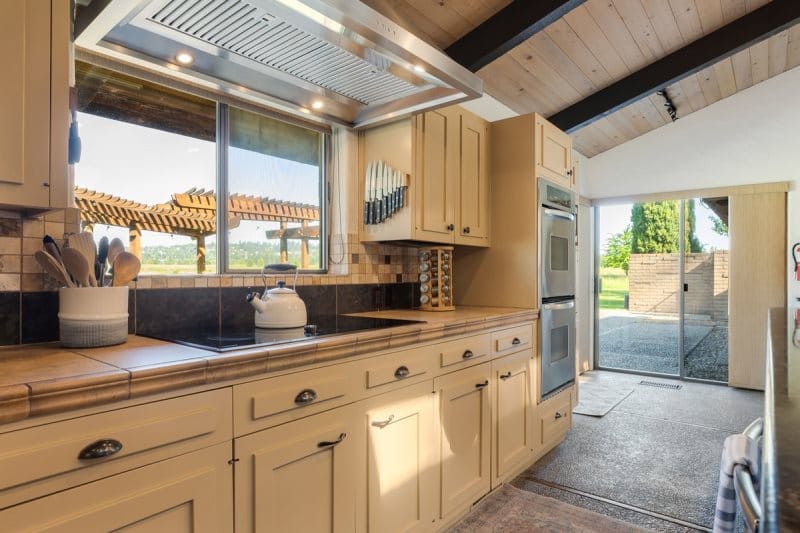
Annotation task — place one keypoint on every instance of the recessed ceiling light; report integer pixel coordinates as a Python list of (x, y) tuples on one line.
[(184, 58), (317, 104), (419, 68)]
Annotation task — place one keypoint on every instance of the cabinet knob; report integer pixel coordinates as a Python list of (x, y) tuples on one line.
[(402, 372), (305, 396), (451, 227), (101, 448), (505, 376), (569, 172), (466, 230), (326, 443)]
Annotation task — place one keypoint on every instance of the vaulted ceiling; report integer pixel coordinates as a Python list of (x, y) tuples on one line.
[(625, 46)]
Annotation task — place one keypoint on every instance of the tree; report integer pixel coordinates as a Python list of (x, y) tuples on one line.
[(618, 250), (720, 227), (655, 228)]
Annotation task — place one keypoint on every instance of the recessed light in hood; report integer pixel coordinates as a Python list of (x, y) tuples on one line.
[(361, 67)]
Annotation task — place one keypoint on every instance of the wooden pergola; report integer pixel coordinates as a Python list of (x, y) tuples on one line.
[(194, 214)]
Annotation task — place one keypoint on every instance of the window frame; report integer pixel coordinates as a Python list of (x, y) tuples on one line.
[(223, 101)]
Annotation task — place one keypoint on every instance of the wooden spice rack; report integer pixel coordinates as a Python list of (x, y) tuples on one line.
[(436, 278)]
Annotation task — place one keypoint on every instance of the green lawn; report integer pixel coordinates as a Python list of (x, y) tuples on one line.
[(615, 287)]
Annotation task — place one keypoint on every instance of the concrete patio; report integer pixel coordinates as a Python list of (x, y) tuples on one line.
[(650, 343)]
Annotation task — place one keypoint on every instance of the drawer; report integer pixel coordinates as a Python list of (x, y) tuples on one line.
[(513, 339), (269, 402), (555, 417), (400, 367), (463, 350), (43, 459)]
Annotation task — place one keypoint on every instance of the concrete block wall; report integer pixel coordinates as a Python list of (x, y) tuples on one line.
[(654, 284)]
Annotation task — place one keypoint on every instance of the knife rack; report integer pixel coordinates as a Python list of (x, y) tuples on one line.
[(385, 192), (436, 278)]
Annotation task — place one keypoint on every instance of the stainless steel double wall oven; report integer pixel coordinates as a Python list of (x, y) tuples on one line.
[(557, 229)]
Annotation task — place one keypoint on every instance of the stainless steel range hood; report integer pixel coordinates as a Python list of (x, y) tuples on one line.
[(335, 59)]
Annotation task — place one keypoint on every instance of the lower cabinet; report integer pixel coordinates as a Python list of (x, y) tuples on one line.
[(465, 437), (189, 493), (513, 435), (300, 476), (402, 461)]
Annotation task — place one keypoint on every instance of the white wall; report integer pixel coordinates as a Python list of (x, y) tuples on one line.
[(750, 137)]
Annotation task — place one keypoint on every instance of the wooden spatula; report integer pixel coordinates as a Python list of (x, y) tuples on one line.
[(77, 266), (53, 268), (84, 243), (126, 268)]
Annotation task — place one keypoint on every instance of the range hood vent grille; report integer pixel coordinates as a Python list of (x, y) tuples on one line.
[(327, 61), (244, 29)]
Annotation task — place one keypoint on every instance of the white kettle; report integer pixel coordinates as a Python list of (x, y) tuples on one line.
[(280, 307)]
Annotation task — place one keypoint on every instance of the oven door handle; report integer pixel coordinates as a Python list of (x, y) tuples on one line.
[(559, 306), (556, 213)]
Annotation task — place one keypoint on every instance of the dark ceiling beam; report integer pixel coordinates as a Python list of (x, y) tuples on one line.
[(742, 33), (507, 28)]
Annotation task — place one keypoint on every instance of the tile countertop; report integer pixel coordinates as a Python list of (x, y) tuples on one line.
[(44, 379)]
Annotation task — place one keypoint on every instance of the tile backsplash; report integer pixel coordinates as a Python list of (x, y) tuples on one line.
[(360, 277)]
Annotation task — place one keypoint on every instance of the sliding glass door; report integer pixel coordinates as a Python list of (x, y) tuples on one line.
[(662, 288)]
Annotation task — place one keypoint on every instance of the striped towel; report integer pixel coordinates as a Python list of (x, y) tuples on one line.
[(741, 450)]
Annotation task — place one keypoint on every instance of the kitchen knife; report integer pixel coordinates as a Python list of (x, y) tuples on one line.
[(376, 203), (396, 190), (374, 194), (366, 193), (403, 189), (385, 196)]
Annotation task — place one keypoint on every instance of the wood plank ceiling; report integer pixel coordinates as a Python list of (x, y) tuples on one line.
[(598, 43)]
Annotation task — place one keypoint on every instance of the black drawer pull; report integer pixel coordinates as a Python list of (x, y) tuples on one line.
[(558, 415), (326, 443), (402, 372), (305, 396), (482, 385), (516, 341), (467, 354), (506, 375), (101, 448)]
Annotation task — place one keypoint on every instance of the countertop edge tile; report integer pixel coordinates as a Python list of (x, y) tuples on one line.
[(14, 403), (152, 379), (64, 394)]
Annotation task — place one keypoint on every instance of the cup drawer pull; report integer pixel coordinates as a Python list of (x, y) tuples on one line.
[(516, 341), (558, 415), (305, 396), (467, 354), (402, 372), (101, 448)]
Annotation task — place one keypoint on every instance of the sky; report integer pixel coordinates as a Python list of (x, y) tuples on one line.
[(148, 165), (613, 219)]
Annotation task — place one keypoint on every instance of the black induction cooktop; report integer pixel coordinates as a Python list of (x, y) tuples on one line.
[(227, 339)]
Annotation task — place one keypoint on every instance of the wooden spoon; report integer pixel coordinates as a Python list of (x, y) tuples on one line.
[(114, 249), (84, 243), (53, 268), (126, 268), (77, 266)]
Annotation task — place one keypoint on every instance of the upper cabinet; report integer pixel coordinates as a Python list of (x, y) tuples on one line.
[(443, 155), (553, 153), (34, 110)]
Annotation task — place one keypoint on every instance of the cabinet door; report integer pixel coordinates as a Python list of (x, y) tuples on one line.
[(25, 106), (299, 476), (473, 207), (513, 415), (191, 493), (553, 153), (465, 433), (437, 174), (402, 462)]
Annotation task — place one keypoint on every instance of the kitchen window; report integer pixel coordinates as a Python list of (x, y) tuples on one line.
[(156, 161)]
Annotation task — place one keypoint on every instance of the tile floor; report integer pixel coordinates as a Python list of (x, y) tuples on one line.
[(653, 460)]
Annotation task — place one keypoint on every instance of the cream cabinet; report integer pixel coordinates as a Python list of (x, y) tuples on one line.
[(402, 461), (553, 153), (300, 476), (513, 435), (465, 437), (34, 115), (446, 157), (189, 493)]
